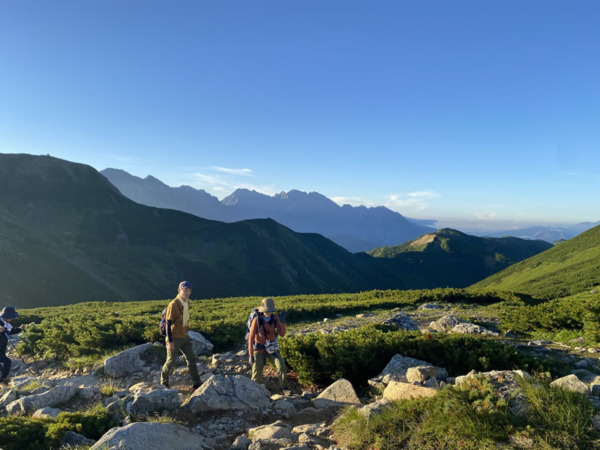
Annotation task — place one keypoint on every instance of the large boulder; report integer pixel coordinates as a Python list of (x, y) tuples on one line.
[(148, 435), (229, 393), (397, 390), (202, 346), (157, 399), (340, 393), (54, 397), (446, 323), (397, 368), (402, 320), (128, 361), (571, 383)]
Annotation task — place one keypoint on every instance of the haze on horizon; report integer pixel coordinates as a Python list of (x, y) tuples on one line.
[(482, 114)]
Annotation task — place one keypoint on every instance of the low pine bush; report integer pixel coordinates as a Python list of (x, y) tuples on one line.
[(360, 354)]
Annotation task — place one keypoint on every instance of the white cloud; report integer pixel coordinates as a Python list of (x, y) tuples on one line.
[(353, 201), (231, 171), (222, 181), (414, 201), (486, 216)]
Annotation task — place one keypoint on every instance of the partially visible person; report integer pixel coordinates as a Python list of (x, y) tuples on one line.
[(177, 339), (8, 314), (262, 341)]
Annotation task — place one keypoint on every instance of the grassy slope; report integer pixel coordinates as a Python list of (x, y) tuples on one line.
[(451, 258), (569, 268)]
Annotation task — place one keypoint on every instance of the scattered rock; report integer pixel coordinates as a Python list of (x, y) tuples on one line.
[(146, 435), (229, 392)]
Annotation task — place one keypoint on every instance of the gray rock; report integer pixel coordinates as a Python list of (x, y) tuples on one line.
[(446, 323), (571, 383), (149, 435), (127, 362), (71, 439), (277, 430), (240, 443), (396, 371), (229, 392), (47, 412), (202, 346), (158, 399), (8, 397), (374, 408), (54, 397), (471, 328), (402, 320), (340, 391)]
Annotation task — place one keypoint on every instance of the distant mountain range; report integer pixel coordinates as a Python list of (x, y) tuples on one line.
[(547, 233), (354, 228), (68, 235)]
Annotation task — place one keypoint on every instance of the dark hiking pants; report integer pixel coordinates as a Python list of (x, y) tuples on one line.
[(183, 345)]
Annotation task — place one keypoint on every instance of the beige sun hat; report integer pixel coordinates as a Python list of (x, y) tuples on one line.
[(267, 305)]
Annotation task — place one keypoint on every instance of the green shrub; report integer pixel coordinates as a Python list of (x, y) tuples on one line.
[(360, 354), (24, 433)]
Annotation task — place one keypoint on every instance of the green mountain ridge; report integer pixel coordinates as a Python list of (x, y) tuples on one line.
[(67, 235), (568, 268), (451, 258)]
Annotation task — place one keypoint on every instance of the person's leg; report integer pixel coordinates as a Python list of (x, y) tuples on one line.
[(171, 362), (187, 348), (257, 368), (277, 359), (5, 364)]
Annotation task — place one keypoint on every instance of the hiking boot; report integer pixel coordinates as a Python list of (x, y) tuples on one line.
[(195, 386), (165, 384)]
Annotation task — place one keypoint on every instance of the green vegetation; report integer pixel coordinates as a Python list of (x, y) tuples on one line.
[(360, 354), (473, 416), (569, 268), (26, 433), (560, 319), (94, 330)]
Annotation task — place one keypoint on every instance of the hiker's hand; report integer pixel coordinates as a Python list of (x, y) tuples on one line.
[(22, 327), (282, 316), (251, 359), (171, 346), (1, 329)]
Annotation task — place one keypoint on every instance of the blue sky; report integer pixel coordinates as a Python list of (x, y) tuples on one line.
[(484, 113)]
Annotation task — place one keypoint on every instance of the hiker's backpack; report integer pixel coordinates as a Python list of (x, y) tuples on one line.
[(162, 325), (253, 314)]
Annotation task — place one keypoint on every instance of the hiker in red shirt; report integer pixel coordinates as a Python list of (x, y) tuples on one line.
[(262, 342)]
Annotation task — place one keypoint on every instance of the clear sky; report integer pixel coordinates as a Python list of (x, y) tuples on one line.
[(476, 110)]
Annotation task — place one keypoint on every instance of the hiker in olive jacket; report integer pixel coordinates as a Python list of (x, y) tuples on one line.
[(262, 341), (6, 328), (177, 339)]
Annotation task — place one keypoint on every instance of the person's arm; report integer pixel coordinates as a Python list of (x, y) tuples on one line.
[(280, 327), (251, 337), (16, 330)]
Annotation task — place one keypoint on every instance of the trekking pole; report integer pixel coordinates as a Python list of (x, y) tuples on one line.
[(19, 353), (32, 352)]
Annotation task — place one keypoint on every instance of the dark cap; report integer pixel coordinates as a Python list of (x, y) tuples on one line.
[(185, 284), (9, 312)]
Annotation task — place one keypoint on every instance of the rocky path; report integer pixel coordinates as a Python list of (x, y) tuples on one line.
[(229, 411)]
